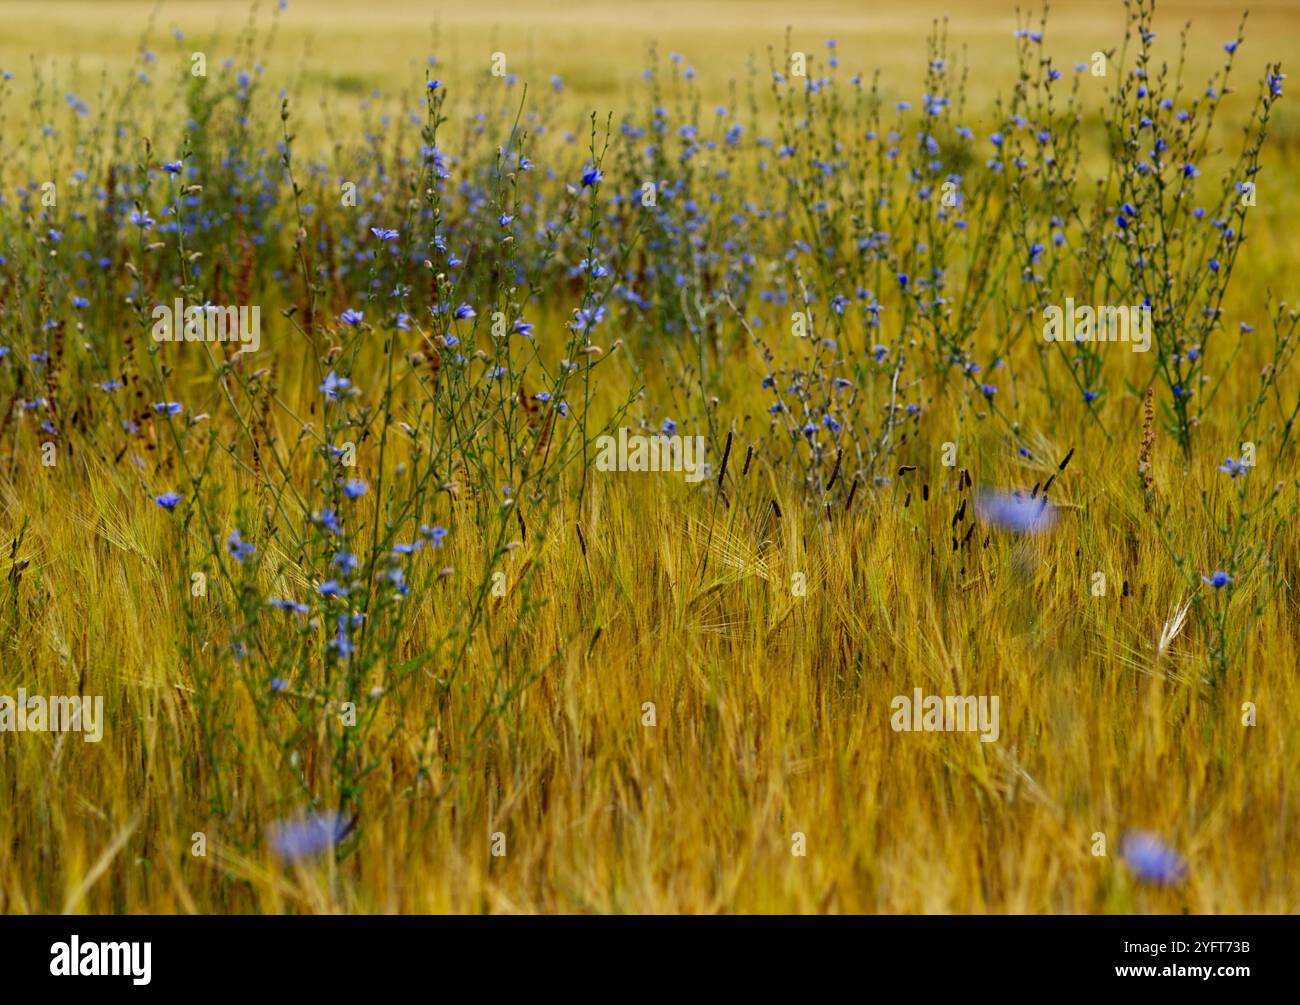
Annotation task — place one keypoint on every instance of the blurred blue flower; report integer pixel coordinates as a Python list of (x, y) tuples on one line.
[(303, 838), (341, 644), (1016, 512), (586, 318), (1151, 860), (330, 520), (333, 385), (239, 548), (168, 500)]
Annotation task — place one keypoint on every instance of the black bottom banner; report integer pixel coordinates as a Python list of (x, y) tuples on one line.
[(143, 954)]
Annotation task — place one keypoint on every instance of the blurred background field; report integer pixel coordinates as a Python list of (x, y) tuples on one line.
[(345, 50)]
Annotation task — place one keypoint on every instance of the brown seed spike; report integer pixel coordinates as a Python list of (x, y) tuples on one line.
[(1062, 465), (835, 473)]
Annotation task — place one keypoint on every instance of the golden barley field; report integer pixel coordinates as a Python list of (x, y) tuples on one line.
[(377, 629)]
